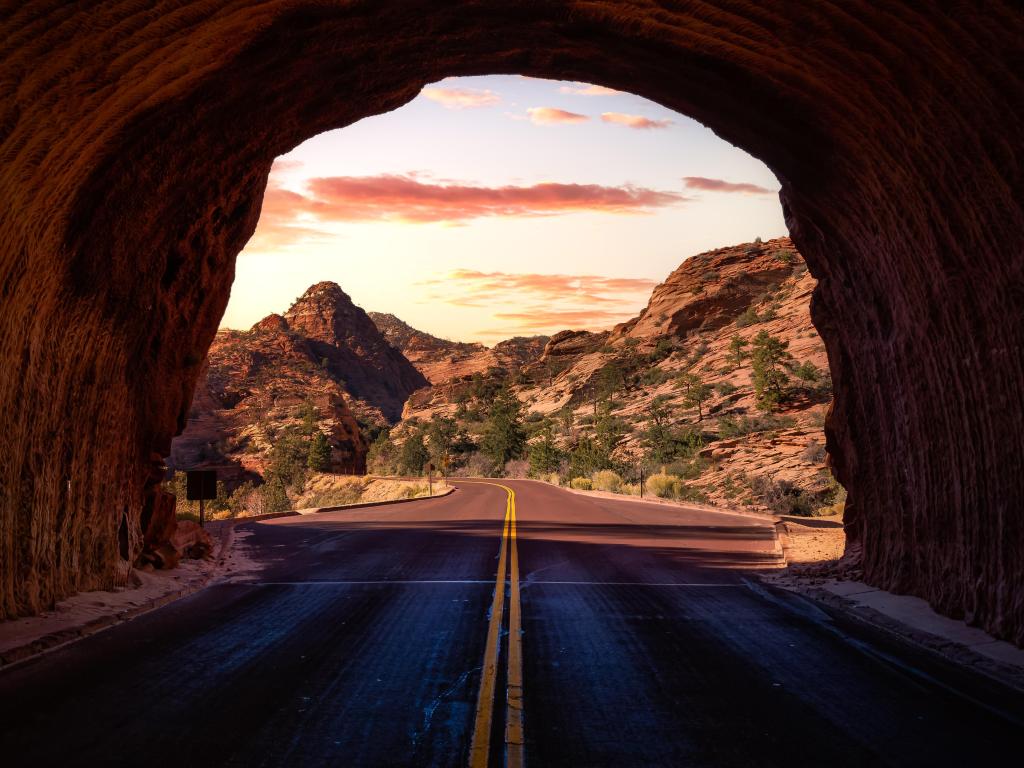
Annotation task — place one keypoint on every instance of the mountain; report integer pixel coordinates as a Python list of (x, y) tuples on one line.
[(349, 345), (440, 360), (256, 386), (686, 328), (362, 370), (324, 351)]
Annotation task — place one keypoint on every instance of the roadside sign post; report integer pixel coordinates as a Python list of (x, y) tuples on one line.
[(430, 479), (201, 484), (641, 481)]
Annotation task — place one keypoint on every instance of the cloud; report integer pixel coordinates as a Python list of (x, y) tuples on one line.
[(461, 98), (284, 164), (719, 185), (586, 287), (539, 319), (542, 303), (638, 122), (554, 116), (289, 216), (586, 89)]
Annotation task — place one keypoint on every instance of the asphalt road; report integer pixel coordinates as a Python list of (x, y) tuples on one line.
[(646, 641)]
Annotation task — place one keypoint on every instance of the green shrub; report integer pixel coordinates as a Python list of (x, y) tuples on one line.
[(749, 317), (606, 480), (581, 484), (732, 426)]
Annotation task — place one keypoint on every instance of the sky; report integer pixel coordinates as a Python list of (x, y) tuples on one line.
[(491, 207)]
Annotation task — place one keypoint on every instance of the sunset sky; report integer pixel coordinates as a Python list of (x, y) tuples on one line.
[(490, 207)]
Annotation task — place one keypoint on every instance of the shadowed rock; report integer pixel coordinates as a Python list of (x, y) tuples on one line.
[(136, 143)]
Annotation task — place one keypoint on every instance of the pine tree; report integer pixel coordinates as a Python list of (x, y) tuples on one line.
[(737, 353), (308, 415), (504, 437), (441, 433), (696, 393), (770, 379), (658, 437), (319, 456), (545, 455), (413, 456), (275, 496)]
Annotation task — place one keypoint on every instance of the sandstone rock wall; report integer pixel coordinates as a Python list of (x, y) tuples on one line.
[(136, 142)]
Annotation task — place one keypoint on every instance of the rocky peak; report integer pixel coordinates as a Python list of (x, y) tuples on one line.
[(710, 290), (345, 341), (411, 341), (272, 322)]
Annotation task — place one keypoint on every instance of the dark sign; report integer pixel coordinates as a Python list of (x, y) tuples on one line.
[(200, 484)]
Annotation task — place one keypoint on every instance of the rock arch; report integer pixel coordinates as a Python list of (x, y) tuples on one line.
[(136, 141)]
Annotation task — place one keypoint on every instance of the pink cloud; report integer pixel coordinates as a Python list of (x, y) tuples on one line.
[(554, 116), (586, 89), (638, 122), (718, 185), (543, 320), (461, 98), (415, 200)]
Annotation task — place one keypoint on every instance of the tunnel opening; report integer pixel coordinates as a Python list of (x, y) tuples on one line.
[(476, 213), (125, 237)]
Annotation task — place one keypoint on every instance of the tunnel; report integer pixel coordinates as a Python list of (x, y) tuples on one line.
[(137, 139)]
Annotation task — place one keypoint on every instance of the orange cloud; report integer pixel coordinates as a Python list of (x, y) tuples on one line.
[(586, 287), (638, 122), (545, 303), (461, 98), (543, 320), (288, 215), (718, 185), (586, 89), (554, 116)]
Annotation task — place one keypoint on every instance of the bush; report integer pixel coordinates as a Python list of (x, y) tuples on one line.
[(517, 468), (606, 480), (581, 484), (725, 388), (630, 489), (664, 485), (814, 453), (749, 317), (730, 426), (783, 497)]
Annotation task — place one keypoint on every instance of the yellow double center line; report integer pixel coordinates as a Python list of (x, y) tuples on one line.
[(480, 747)]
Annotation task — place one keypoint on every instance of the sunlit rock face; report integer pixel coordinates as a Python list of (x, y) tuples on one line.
[(137, 138)]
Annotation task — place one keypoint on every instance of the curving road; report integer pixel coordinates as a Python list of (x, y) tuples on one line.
[(363, 641)]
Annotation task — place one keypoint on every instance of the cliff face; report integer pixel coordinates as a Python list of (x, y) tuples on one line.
[(324, 351), (255, 384), (442, 361), (136, 145), (688, 327), (346, 342)]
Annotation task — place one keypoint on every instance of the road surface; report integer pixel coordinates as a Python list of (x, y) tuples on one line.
[(645, 640)]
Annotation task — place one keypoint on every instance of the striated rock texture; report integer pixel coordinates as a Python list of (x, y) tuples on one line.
[(441, 361), (710, 290), (255, 384), (137, 138), (710, 298)]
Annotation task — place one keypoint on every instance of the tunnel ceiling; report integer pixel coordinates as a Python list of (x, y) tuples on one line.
[(136, 142)]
